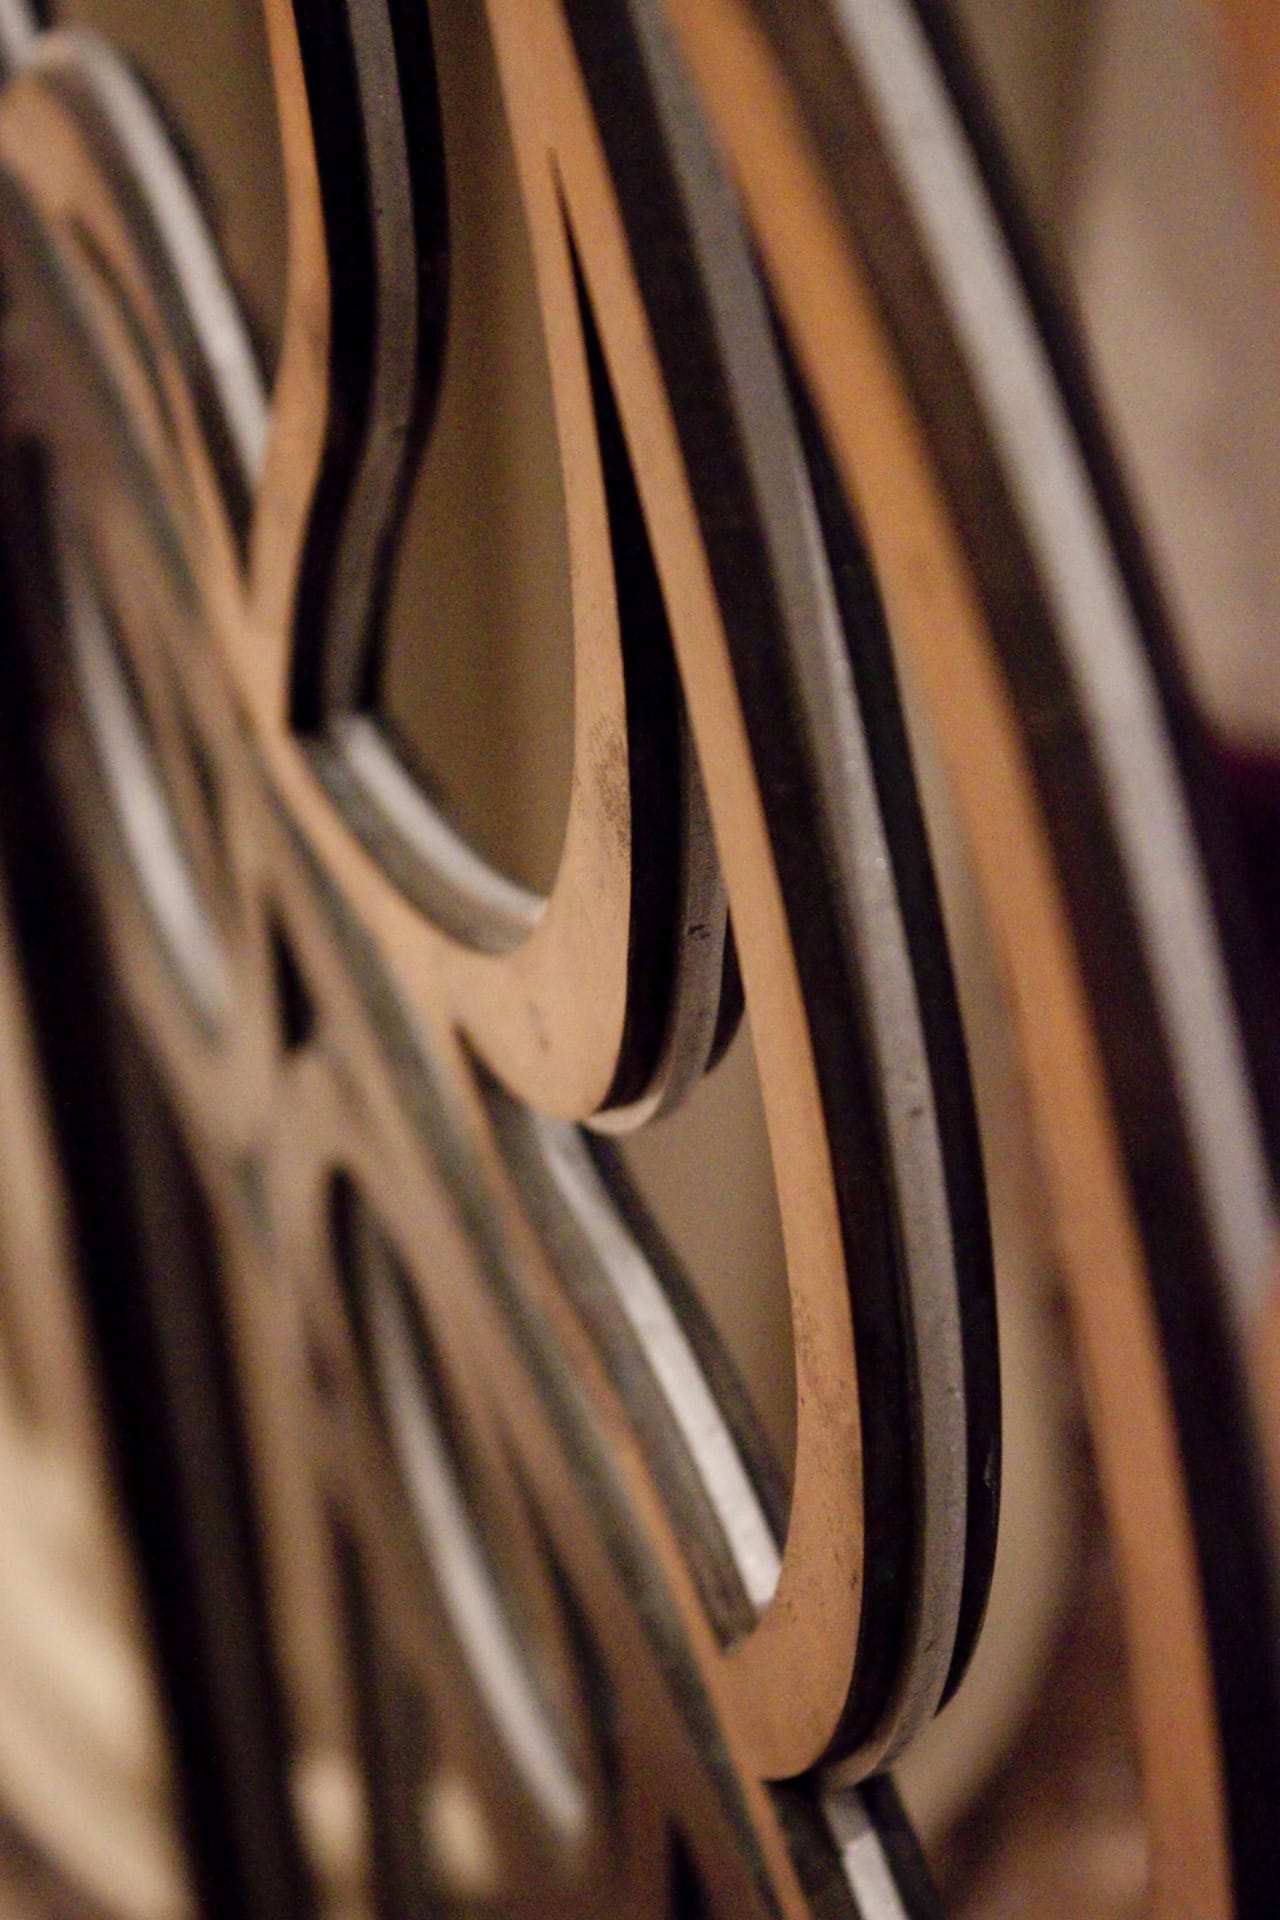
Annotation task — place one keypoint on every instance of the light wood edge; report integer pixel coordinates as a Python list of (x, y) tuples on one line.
[(229, 1097), (548, 1016), (936, 619), (789, 1678), (300, 402)]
